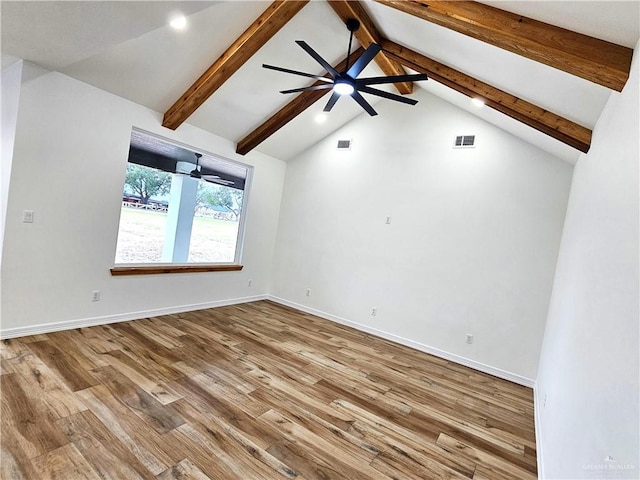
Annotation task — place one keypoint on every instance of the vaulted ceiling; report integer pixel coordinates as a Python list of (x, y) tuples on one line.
[(544, 69)]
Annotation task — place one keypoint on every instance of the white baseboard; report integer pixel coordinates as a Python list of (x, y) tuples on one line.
[(497, 372), (122, 317)]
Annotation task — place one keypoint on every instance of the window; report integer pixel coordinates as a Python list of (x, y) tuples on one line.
[(179, 205)]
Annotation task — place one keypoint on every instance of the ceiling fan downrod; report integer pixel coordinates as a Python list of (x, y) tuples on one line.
[(195, 173), (352, 26)]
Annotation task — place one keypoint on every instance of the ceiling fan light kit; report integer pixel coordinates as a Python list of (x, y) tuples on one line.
[(343, 87), (346, 82)]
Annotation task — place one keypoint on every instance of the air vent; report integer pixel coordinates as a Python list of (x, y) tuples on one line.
[(465, 141), (344, 144)]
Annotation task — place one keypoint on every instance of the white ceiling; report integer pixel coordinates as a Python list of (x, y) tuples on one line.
[(128, 49)]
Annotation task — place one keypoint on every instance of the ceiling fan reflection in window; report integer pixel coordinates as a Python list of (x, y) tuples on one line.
[(209, 177), (346, 82)]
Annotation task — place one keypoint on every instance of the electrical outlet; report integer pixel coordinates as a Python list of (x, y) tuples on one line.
[(544, 403), (95, 296), (27, 216), (308, 292), (374, 311), (249, 283), (388, 221), (469, 338)]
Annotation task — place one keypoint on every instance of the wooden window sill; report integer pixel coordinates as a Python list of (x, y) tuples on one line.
[(158, 269)]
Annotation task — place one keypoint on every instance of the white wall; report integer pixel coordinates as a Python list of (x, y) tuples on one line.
[(589, 363), (10, 95), (70, 157), (471, 247)]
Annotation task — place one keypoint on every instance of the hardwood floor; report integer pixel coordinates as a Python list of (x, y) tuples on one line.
[(253, 391)]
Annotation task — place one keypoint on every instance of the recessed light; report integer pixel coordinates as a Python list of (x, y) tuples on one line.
[(478, 102), (321, 117), (178, 22)]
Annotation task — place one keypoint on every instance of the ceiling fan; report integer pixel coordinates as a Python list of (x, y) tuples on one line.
[(346, 82), (197, 173)]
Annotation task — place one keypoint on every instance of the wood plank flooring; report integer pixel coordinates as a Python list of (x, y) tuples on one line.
[(253, 391)]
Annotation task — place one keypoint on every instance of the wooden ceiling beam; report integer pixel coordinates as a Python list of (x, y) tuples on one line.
[(260, 31), (547, 122), (593, 59), (287, 113), (367, 34)]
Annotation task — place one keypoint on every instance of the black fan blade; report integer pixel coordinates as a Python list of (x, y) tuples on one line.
[(317, 58), (306, 89), (217, 180), (390, 96), (391, 79), (363, 103), (295, 72), (332, 101), (364, 60)]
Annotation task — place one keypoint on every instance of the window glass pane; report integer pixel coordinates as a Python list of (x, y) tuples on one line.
[(143, 216), (215, 223)]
